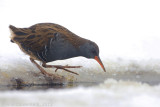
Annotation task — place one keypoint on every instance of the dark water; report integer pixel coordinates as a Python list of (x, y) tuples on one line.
[(150, 78), (35, 87)]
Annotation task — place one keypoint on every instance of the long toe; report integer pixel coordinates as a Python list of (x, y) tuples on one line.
[(65, 70)]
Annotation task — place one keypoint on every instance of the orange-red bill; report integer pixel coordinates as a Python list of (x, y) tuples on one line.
[(100, 62)]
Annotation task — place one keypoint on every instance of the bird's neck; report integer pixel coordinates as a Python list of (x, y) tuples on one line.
[(83, 50)]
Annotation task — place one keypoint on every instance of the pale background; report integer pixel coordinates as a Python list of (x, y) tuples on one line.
[(121, 28), (127, 33)]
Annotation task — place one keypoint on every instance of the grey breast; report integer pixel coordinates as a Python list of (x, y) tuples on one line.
[(60, 48)]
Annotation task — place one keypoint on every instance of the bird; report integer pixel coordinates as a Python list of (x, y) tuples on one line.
[(47, 42)]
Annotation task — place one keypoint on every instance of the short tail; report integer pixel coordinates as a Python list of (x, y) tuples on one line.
[(18, 34), (14, 32), (13, 28), (18, 31)]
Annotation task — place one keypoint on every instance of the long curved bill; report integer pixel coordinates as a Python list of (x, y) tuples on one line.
[(97, 58)]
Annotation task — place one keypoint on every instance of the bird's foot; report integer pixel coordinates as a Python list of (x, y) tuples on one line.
[(64, 68), (61, 67), (41, 69), (46, 73)]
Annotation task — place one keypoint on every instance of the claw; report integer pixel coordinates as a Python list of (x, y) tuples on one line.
[(62, 67), (56, 69)]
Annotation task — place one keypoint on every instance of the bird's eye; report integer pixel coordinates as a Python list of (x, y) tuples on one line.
[(94, 52)]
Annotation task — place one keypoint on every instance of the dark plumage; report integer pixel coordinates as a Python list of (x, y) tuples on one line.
[(48, 42)]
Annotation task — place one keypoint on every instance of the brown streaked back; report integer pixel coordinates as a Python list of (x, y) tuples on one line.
[(35, 38)]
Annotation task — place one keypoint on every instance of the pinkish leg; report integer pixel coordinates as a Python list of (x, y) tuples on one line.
[(40, 68), (61, 67)]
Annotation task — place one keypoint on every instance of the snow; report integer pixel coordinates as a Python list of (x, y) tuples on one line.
[(127, 33), (111, 93)]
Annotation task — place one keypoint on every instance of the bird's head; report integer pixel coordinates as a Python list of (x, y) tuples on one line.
[(91, 50)]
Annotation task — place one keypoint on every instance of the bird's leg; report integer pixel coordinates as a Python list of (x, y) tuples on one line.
[(40, 68), (61, 67)]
